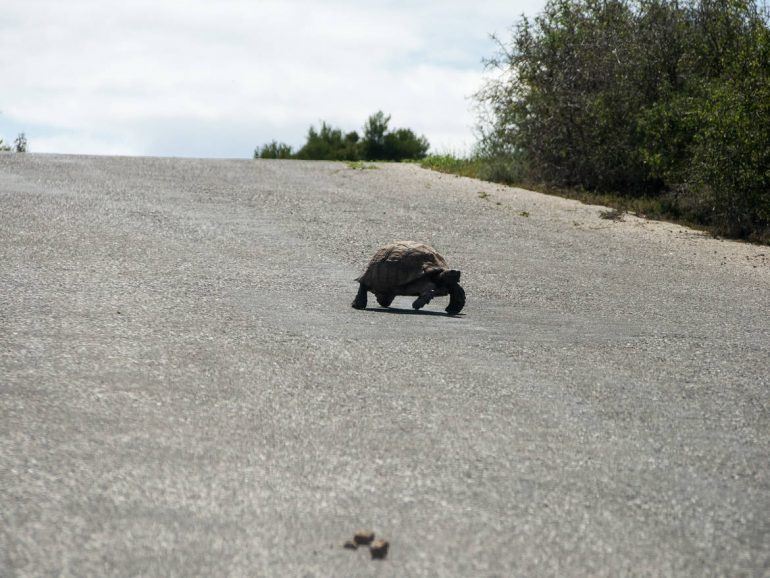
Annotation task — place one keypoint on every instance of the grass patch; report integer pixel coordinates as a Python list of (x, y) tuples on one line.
[(360, 166), (665, 207), (454, 165)]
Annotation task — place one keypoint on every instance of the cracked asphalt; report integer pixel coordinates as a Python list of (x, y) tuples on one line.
[(185, 389)]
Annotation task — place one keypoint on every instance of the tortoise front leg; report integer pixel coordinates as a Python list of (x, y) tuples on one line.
[(360, 301), (424, 299), (456, 299)]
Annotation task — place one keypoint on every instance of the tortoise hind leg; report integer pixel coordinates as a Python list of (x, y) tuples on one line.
[(456, 299), (385, 299), (360, 301)]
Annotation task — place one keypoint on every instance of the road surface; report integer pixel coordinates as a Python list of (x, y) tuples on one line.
[(185, 389)]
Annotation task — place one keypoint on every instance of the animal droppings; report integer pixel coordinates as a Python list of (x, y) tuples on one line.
[(363, 537), (379, 549)]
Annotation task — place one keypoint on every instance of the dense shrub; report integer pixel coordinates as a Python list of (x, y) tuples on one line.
[(273, 150), (402, 144), (381, 144), (377, 144), (730, 165), (640, 97), (329, 144)]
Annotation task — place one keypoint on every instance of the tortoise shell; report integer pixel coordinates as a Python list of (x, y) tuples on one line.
[(400, 263)]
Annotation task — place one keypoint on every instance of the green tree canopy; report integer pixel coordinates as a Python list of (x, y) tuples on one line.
[(641, 97), (377, 144)]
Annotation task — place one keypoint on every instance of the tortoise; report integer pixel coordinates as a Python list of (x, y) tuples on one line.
[(409, 268)]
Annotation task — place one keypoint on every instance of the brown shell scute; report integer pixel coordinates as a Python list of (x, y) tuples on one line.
[(399, 263)]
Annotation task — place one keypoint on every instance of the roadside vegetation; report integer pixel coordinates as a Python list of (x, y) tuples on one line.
[(19, 144), (377, 143), (658, 107)]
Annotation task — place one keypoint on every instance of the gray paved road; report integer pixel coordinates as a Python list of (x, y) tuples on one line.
[(186, 390)]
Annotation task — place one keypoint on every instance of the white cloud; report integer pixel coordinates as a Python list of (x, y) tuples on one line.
[(147, 77), (82, 143)]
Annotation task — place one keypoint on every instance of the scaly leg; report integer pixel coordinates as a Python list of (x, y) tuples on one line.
[(385, 299), (424, 299), (360, 301), (456, 299)]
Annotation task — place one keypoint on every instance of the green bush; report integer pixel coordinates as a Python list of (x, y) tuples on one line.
[(331, 144), (730, 165), (641, 98), (380, 144), (402, 144), (273, 150)]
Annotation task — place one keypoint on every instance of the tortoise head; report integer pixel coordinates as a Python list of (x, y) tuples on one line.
[(449, 276)]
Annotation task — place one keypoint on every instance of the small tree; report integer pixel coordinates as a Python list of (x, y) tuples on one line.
[(373, 143), (20, 144)]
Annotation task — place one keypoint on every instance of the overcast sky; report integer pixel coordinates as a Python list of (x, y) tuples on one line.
[(215, 78)]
